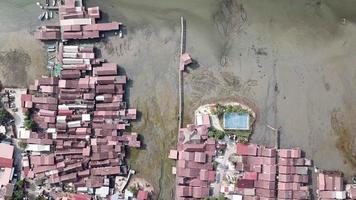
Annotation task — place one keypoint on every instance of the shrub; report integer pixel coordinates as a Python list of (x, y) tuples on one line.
[(19, 192), (217, 134), (5, 116), (134, 190), (41, 198), (29, 123), (22, 144)]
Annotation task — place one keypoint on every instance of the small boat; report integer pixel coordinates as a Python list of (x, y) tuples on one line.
[(46, 15), (41, 16), (121, 35), (54, 3), (47, 2), (50, 14)]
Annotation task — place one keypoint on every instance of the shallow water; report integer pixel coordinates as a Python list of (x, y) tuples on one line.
[(293, 60)]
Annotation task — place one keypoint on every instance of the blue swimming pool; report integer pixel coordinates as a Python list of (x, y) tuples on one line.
[(237, 121)]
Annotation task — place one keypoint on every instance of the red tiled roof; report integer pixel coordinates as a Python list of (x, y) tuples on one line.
[(244, 183), (200, 192), (6, 162), (246, 149), (142, 195), (103, 171)]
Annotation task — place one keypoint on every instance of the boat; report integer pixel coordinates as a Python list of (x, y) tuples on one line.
[(54, 3), (50, 14), (121, 34), (41, 16), (47, 2), (46, 15)]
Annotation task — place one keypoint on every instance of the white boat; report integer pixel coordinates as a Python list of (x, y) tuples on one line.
[(41, 16), (54, 3), (46, 15), (121, 34), (50, 14)]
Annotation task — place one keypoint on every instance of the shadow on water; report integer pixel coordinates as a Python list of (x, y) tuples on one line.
[(193, 66), (98, 52)]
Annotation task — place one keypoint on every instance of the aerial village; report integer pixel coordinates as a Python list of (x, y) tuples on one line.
[(215, 160), (72, 125), (73, 129)]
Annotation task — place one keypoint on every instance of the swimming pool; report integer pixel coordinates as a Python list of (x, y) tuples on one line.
[(237, 121)]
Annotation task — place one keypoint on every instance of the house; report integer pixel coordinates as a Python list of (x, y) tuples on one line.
[(246, 149), (330, 181), (64, 149), (6, 163)]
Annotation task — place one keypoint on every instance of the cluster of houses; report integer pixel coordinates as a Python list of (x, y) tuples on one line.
[(81, 117), (6, 170), (76, 22), (194, 167), (268, 173), (330, 185)]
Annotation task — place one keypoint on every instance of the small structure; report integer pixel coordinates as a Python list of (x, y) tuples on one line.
[(185, 60), (142, 195), (203, 119)]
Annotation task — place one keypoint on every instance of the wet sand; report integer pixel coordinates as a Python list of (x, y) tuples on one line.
[(293, 60)]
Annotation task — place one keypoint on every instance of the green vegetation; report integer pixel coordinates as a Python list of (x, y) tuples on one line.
[(41, 198), (215, 198), (219, 110), (241, 135), (2, 136), (5, 116), (29, 123), (217, 134), (22, 144), (134, 190), (215, 164), (19, 190)]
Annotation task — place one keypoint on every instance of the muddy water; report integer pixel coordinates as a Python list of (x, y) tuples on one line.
[(22, 58), (293, 60)]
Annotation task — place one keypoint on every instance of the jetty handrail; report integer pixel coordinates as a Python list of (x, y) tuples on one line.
[(180, 90)]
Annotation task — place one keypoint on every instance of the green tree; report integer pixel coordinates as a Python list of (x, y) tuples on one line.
[(19, 192), (29, 123), (215, 198), (4, 115), (217, 134)]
